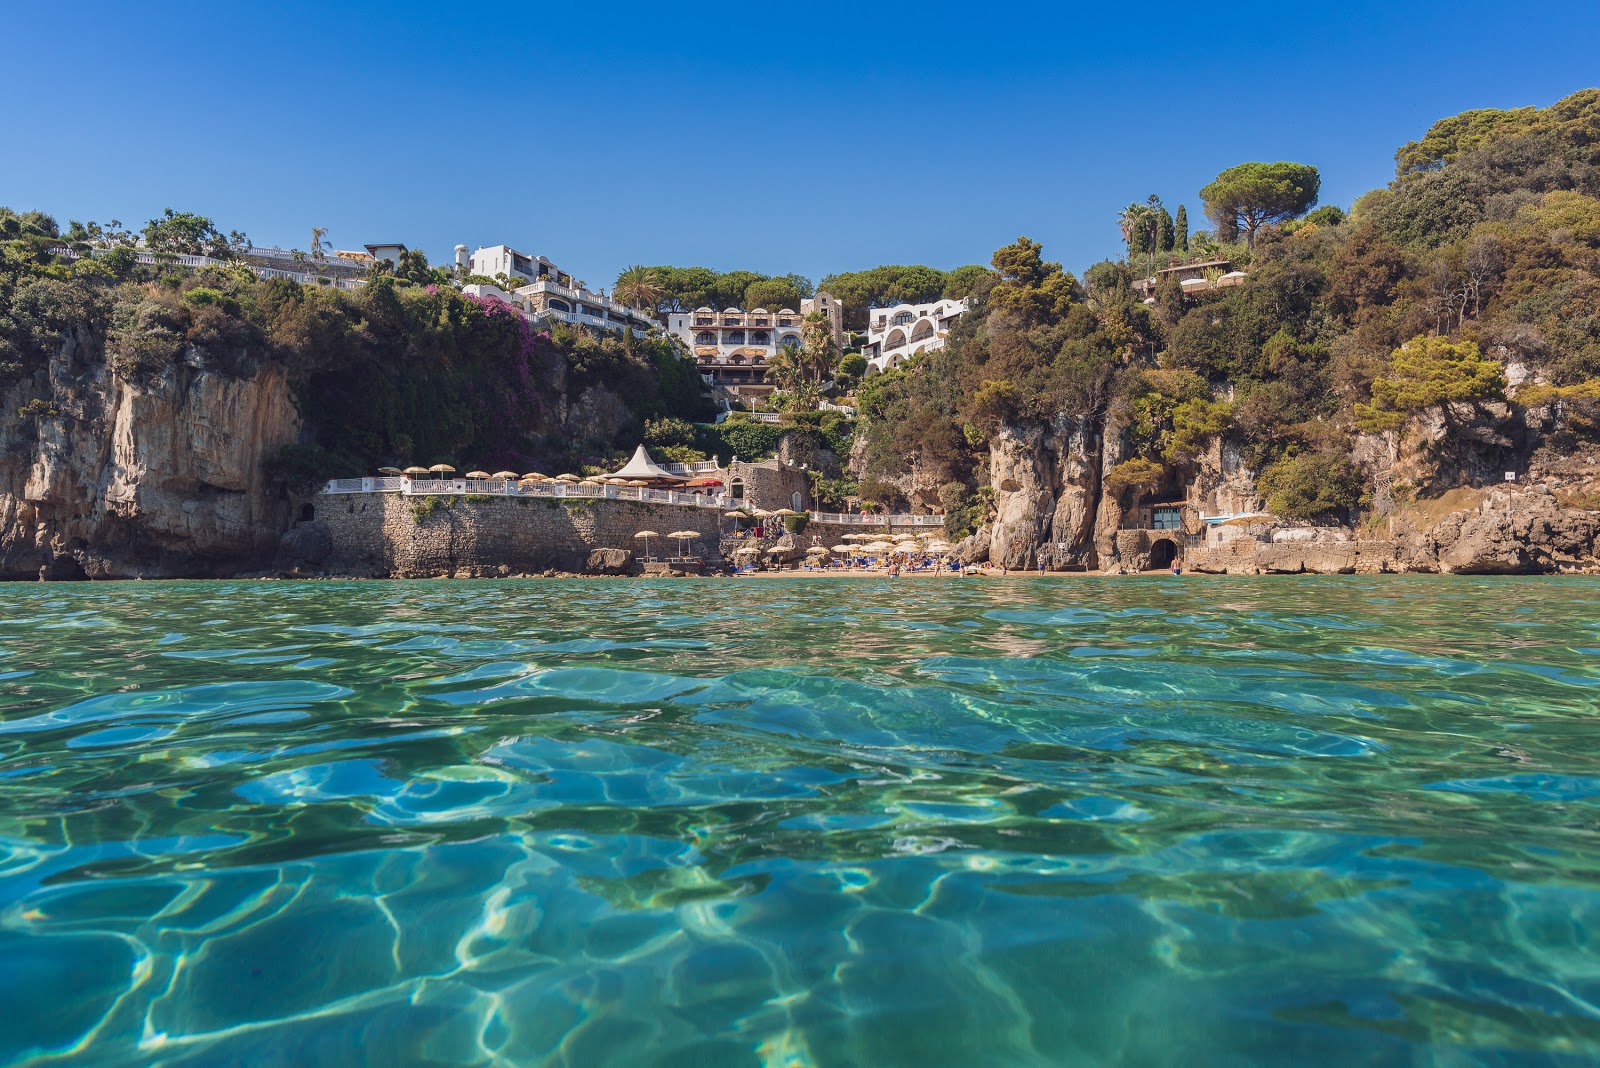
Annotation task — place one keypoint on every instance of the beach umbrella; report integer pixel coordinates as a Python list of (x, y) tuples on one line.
[(415, 471), (734, 515), (816, 550), (761, 513), (637, 482), (843, 548), (647, 535), (785, 511), (567, 478), (477, 474), (536, 476), (442, 469), (504, 474), (683, 535), (390, 471)]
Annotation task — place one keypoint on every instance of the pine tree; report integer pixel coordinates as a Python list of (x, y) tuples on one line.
[(1181, 228)]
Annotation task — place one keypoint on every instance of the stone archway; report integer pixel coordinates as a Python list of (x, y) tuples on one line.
[(1162, 553)]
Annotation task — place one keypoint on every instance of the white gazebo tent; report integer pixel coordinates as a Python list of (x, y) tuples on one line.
[(642, 467)]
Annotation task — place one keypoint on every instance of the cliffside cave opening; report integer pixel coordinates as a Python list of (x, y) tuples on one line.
[(1162, 553)]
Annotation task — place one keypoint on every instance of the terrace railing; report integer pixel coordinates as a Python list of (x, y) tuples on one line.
[(505, 487)]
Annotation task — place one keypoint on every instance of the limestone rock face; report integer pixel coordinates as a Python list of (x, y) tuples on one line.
[(1516, 533), (151, 478), (609, 562)]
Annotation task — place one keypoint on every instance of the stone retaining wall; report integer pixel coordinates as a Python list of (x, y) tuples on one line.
[(1246, 556), (381, 534)]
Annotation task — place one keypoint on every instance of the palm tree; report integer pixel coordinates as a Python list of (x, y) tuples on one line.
[(818, 354), (317, 234), (639, 287)]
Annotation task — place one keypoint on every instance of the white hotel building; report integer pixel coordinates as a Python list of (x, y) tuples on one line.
[(897, 333), (549, 292), (733, 346)]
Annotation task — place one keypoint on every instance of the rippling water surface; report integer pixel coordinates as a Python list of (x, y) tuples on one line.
[(808, 822)]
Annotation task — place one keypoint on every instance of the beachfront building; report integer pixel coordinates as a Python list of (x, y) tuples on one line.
[(544, 291), (732, 346), (899, 332)]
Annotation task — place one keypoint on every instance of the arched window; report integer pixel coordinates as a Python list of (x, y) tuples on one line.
[(760, 337), (790, 341), (705, 337), (903, 318), (560, 305)]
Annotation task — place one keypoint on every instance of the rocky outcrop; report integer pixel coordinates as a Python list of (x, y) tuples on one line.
[(1514, 533), (1048, 504), (609, 562), (106, 477)]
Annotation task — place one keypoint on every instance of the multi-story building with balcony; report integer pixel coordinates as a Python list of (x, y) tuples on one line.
[(897, 333), (548, 292), (732, 346)]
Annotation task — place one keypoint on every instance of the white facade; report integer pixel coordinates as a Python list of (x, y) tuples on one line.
[(897, 333), (549, 293), (733, 346)]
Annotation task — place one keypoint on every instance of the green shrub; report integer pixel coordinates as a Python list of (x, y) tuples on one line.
[(1311, 485)]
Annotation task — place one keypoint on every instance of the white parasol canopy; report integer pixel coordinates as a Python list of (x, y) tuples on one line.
[(641, 466)]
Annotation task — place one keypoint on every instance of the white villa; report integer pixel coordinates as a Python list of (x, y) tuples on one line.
[(732, 346), (549, 292), (897, 333)]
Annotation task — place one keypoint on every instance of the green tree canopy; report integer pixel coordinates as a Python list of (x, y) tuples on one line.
[(184, 233), (1310, 485), (1427, 372), (1245, 198), (773, 294), (639, 287)]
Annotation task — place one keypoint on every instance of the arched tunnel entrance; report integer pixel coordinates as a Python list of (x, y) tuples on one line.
[(1162, 554)]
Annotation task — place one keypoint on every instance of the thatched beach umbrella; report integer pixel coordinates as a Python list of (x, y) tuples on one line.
[(647, 535), (415, 471), (534, 476), (504, 474), (477, 474), (843, 548), (567, 478)]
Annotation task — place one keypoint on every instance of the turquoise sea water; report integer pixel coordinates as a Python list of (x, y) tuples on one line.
[(809, 822)]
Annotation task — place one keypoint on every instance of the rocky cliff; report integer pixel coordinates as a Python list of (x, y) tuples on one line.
[(162, 476), (1051, 506)]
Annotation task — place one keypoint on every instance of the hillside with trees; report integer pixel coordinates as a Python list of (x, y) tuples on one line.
[(404, 370), (1465, 296)]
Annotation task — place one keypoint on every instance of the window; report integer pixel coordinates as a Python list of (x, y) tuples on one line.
[(705, 337), (1166, 519)]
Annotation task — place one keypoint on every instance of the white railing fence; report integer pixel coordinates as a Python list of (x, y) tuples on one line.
[(163, 259), (505, 487)]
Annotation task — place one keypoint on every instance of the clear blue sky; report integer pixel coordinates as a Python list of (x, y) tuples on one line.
[(771, 137)]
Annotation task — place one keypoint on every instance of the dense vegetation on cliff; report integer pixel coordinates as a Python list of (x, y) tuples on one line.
[(394, 373), (1468, 289)]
